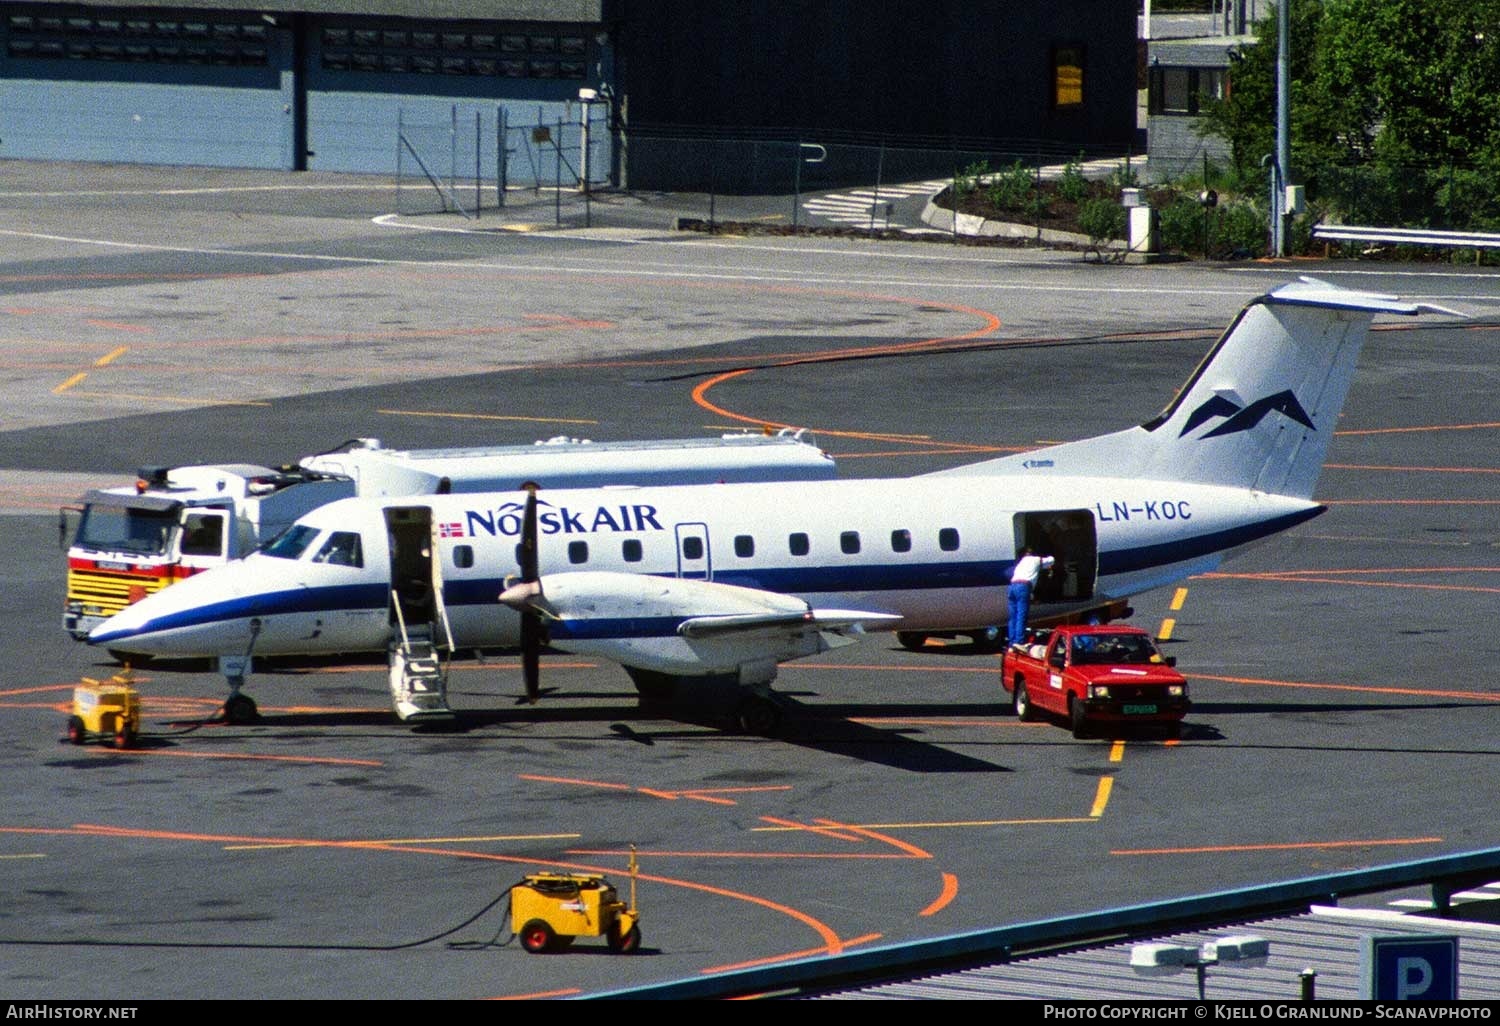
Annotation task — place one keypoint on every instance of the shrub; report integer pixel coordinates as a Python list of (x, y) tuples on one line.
[(1101, 220), (1011, 188), (967, 180), (1072, 186)]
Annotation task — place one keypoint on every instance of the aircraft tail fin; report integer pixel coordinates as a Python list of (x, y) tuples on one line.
[(1259, 411)]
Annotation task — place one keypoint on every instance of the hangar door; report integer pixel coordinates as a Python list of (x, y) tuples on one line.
[(146, 86)]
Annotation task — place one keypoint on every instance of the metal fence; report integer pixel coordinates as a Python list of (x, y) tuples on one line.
[(479, 158), (568, 172)]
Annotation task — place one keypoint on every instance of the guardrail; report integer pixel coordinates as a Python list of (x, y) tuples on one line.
[(1329, 233), (1447, 874)]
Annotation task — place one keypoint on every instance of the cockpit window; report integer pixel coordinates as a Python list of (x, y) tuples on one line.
[(341, 549), (291, 543)]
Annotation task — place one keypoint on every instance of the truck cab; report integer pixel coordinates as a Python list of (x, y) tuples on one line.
[(1091, 676)]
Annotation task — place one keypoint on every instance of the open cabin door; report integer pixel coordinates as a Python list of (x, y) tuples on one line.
[(419, 678), (1071, 538)]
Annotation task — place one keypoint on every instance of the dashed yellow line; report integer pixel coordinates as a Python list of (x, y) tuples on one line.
[(1167, 626), (1101, 796), (1117, 751), (75, 379), (1179, 597), (111, 356)]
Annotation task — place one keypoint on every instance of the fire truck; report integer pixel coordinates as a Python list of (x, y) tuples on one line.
[(178, 521)]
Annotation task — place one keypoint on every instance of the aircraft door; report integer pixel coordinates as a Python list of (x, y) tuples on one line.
[(1071, 538), (409, 530), (693, 557)]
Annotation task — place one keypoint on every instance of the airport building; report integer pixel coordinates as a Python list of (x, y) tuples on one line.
[(332, 85)]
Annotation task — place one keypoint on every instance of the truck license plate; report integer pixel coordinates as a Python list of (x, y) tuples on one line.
[(1138, 710)]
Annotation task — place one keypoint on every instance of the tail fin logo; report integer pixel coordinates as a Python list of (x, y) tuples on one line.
[(1237, 418)]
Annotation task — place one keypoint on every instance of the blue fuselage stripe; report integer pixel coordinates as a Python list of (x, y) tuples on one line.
[(790, 580)]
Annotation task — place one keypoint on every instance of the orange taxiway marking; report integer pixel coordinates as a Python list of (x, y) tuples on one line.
[(712, 795), (943, 900)]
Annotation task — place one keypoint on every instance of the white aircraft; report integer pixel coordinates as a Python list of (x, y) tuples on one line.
[(730, 580)]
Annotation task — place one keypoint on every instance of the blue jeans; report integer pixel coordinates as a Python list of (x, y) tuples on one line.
[(1019, 601)]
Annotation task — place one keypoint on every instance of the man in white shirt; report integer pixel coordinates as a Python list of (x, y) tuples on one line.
[(1028, 568)]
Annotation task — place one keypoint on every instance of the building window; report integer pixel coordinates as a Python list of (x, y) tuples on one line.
[(744, 546), (1183, 90), (798, 544), (1067, 77)]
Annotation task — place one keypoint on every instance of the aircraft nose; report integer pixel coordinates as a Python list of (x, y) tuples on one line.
[(184, 619)]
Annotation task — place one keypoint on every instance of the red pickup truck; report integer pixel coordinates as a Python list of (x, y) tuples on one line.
[(1094, 675)]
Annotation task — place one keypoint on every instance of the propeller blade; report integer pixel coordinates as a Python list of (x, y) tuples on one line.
[(531, 655), (526, 551), (531, 622)]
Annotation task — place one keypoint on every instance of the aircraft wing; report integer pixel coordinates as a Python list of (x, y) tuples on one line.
[(684, 627), (837, 620)]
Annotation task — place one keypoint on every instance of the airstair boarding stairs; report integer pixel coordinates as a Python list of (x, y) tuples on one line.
[(419, 676)]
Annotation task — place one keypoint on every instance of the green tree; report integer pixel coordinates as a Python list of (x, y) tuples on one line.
[(1395, 107)]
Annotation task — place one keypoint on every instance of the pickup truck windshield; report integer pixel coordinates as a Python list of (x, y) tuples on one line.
[(1112, 648)]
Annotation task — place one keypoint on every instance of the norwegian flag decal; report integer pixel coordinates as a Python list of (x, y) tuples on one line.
[(453, 530)]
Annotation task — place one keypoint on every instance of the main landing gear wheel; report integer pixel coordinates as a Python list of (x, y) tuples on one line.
[(537, 937), (240, 709), (912, 641), (624, 943), (758, 715)]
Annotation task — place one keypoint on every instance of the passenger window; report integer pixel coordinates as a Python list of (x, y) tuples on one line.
[(901, 541), (948, 539), (798, 544), (744, 546), (849, 542), (578, 552), (631, 550), (341, 549), (692, 548), (463, 556)]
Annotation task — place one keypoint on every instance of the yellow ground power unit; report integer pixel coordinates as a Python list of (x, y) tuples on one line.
[(105, 710), (548, 910)]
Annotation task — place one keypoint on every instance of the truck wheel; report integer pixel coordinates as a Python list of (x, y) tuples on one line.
[(1174, 730), (537, 936), (124, 737), (76, 732), (1022, 702), (1077, 718), (625, 943)]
